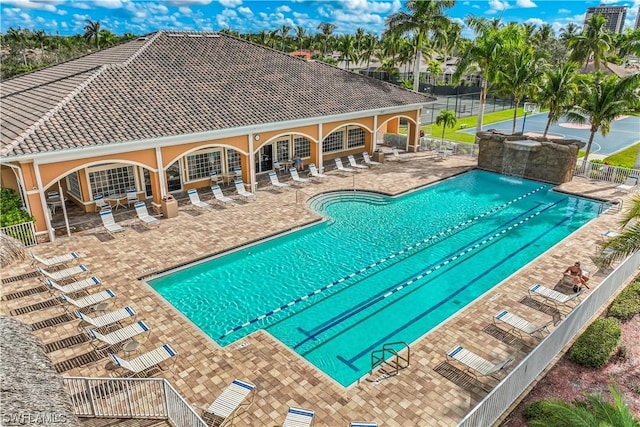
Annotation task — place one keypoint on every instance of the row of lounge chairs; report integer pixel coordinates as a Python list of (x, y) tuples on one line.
[(238, 396), (478, 366), (67, 280), (112, 227)]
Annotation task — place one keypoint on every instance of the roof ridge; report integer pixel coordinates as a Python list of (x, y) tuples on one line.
[(141, 50), (31, 129)]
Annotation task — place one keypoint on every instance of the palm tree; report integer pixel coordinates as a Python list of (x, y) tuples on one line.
[(446, 118), (263, 38), (557, 91), (327, 30), (369, 47), (92, 31), (346, 48), (594, 42), (424, 19), (602, 99), (519, 71), (300, 35), (284, 33), (359, 38), (434, 69), (627, 242), (484, 52), (628, 43), (595, 412), (569, 32)]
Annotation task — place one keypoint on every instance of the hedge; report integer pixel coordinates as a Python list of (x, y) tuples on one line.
[(627, 304), (596, 345)]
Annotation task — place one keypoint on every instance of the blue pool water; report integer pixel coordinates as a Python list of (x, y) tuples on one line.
[(378, 270)]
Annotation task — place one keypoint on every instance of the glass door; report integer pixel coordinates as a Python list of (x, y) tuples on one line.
[(174, 177), (264, 159)]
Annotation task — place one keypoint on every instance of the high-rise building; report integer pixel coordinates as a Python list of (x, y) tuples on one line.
[(637, 22), (614, 15)]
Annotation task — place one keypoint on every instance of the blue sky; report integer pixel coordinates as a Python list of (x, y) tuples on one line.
[(67, 17)]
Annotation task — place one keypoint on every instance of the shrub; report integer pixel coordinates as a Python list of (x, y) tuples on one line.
[(541, 412), (11, 211), (627, 304), (595, 346)]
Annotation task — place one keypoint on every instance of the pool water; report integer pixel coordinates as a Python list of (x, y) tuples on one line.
[(379, 270)]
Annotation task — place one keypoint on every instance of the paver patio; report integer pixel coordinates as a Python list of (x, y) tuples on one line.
[(418, 396)]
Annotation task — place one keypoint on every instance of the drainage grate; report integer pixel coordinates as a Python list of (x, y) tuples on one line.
[(35, 307), (24, 293), (552, 311), (77, 361), (506, 337), (459, 377), (19, 277), (66, 342), (54, 321)]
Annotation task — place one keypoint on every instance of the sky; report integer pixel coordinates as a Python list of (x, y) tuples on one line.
[(67, 17)]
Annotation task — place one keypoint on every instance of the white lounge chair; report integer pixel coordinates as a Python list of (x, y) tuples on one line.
[(296, 177), (56, 260), (368, 161), (216, 179), (120, 335), (554, 296), (275, 182), (146, 361), (217, 193), (108, 318), (194, 198), (143, 215), (353, 164), (132, 197), (313, 172), (277, 166), (229, 403), (88, 300), (476, 365), (75, 286), (109, 223), (520, 325), (66, 274), (101, 203), (629, 186), (297, 417), (242, 191), (396, 154), (362, 424), (341, 167)]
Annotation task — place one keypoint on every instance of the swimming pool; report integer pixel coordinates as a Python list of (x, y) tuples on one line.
[(379, 270)]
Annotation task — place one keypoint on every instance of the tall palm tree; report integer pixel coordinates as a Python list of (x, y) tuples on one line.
[(603, 99), (359, 38), (284, 33), (424, 19), (557, 91), (593, 42), (434, 69), (92, 31), (485, 53), (369, 47), (446, 118), (597, 411), (628, 43), (327, 29), (346, 47), (263, 38), (300, 35), (627, 242), (518, 71), (569, 32)]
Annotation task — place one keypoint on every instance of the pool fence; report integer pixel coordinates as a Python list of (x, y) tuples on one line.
[(496, 404)]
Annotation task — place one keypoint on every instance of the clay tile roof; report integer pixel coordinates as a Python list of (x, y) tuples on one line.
[(175, 83)]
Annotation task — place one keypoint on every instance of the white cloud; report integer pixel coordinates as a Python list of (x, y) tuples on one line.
[(107, 4), (46, 5), (185, 10), (188, 2), (284, 8), (466, 3), (525, 4), (564, 11), (246, 11), (496, 6), (230, 3), (535, 21)]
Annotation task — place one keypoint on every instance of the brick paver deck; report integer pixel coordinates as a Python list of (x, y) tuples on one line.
[(418, 396)]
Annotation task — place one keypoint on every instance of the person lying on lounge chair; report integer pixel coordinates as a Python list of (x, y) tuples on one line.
[(574, 272)]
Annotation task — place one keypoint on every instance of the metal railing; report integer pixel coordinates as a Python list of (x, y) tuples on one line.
[(498, 401), (149, 398), (25, 232), (606, 173)]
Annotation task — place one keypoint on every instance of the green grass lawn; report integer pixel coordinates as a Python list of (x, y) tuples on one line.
[(625, 158), (454, 134)]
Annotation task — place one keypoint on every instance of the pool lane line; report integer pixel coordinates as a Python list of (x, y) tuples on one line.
[(349, 362), (396, 288), (381, 261)]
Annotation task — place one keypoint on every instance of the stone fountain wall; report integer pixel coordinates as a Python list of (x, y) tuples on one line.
[(552, 161)]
